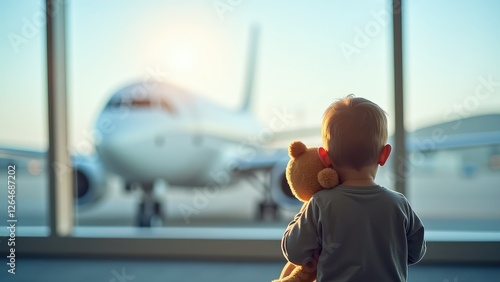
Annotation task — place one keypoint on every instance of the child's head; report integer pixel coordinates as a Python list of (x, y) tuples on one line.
[(354, 132)]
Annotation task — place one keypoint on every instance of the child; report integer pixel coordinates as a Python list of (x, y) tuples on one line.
[(357, 231)]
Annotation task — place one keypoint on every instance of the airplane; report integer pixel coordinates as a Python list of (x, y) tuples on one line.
[(173, 135), (152, 130)]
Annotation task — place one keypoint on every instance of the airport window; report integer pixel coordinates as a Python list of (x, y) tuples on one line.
[(237, 80), (24, 135), (453, 108), (239, 85)]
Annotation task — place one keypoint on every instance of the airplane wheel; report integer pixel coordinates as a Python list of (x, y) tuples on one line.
[(128, 186), (144, 222), (150, 218), (157, 219), (143, 218), (268, 210)]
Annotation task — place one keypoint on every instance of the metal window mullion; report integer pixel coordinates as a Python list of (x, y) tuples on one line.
[(59, 163), (399, 154)]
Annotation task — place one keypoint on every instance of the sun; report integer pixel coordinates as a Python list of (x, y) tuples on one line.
[(181, 59)]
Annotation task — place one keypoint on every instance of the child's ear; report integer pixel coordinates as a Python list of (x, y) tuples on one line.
[(384, 154), (324, 157)]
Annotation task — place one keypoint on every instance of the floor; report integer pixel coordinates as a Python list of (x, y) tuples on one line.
[(127, 270)]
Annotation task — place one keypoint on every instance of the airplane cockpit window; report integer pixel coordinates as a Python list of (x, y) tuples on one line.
[(129, 103), (137, 103), (113, 103)]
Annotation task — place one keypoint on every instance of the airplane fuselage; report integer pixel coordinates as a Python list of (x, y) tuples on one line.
[(172, 135)]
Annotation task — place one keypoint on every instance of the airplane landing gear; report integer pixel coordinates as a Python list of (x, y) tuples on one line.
[(150, 210), (267, 208)]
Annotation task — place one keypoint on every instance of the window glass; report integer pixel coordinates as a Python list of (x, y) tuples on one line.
[(453, 112), (210, 152), (23, 126)]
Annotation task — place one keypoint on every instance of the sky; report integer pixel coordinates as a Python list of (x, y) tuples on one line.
[(309, 55)]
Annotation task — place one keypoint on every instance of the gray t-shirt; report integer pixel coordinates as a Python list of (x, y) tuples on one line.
[(365, 233)]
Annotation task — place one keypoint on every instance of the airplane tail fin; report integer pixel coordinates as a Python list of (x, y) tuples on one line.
[(251, 62)]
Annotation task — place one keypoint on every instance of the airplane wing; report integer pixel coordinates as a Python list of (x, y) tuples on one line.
[(89, 173), (299, 132), (475, 131), (468, 132), (9, 153), (31, 160), (261, 159)]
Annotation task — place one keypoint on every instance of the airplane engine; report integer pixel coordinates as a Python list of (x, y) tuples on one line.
[(280, 190), (90, 180)]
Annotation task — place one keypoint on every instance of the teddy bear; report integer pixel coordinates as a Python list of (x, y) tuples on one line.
[(306, 174)]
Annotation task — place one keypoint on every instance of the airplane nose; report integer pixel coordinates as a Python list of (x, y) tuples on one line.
[(121, 154)]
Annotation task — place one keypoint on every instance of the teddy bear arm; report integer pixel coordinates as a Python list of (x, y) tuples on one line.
[(299, 274)]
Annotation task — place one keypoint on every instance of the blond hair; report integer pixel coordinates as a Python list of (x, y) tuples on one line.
[(354, 131)]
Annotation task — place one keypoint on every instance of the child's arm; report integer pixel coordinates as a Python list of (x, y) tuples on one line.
[(415, 238), (301, 238)]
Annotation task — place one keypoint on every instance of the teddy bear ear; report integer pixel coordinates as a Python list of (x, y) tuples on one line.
[(296, 149), (328, 178)]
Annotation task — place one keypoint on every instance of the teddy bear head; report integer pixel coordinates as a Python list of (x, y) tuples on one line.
[(306, 174)]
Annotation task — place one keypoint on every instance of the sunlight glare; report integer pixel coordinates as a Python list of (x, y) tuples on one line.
[(181, 59)]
